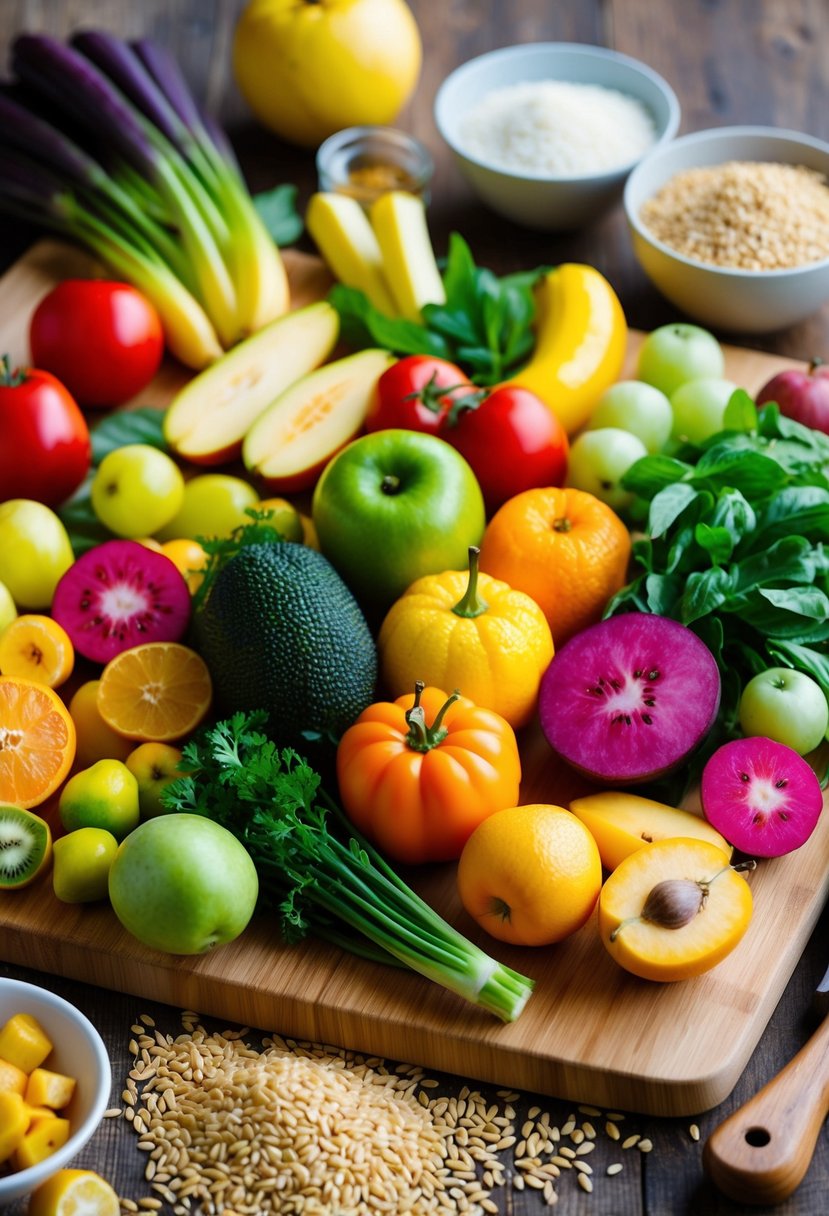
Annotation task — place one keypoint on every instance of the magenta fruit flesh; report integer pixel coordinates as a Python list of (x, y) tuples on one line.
[(630, 698), (761, 796), (118, 595)]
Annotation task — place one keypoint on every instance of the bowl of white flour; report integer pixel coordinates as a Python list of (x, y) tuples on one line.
[(546, 133)]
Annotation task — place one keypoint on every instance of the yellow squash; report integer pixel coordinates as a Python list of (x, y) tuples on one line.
[(581, 337), (472, 632)]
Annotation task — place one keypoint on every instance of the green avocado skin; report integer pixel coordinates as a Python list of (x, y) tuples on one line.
[(281, 631)]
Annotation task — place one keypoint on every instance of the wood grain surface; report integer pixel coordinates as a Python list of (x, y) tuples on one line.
[(730, 61)]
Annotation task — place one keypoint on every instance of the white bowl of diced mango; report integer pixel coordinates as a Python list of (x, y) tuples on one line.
[(55, 1081)]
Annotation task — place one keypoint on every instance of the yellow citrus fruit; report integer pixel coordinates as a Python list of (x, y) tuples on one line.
[(74, 1193), (309, 532), (95, 739), (565, 548), (285, 517), (156, 692), (530, 875), (37, 647), (37, 741), (189, 558)]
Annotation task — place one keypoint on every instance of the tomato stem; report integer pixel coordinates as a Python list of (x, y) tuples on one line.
[(9, 377), (471, 603)]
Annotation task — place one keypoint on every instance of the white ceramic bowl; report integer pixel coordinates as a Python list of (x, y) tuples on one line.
[(742, 301), (78, 1051), (534, 200)]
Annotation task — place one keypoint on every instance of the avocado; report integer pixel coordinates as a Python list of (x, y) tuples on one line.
[(281, 631)]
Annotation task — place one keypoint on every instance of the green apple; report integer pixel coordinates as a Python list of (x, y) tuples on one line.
[(136, 490), (81, 865), (154, 766), (787, 706), (672, 354), (8, 611), (183, 884), (213, 505), (34, 551), (393, 506), (637, 407), (699, 408), (598, 461), (105, 795)]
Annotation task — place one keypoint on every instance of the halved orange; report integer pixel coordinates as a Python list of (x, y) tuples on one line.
[(156, 692), (37, 741), (72, 1193), (36, 647)]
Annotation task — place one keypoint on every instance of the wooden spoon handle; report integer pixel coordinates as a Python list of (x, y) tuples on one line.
[(761, 1152)]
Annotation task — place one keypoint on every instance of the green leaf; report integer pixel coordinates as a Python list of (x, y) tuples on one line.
[(82, 525), (815, 663), (734, 512), (791, 559), (663, 592), (278, 212), (144, 425), (705, 592), (795, 509), (364, 325), (650, 474), (740, 413), (668, 505), (750, 472), (717, 541)]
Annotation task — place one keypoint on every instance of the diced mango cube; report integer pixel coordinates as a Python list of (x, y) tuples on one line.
[(12, 1079), (46, 1088), (24, 1042), (14, 1123), (40, 1142), (38, 1112)]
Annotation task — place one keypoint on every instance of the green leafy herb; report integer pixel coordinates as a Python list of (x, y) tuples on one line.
[(485, 324), (734, 547), (317, 873), (220, 549), (277, 210)]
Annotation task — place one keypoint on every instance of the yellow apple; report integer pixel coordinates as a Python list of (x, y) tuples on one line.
[(308, 69)]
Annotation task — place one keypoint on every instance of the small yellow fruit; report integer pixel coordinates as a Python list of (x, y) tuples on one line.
[(70, 1192), (189, 558), (308, 69), (8, 611), (96, 739), (24, 1043)]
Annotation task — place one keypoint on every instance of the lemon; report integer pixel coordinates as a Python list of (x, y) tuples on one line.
[(308, 69), (74, 1193)]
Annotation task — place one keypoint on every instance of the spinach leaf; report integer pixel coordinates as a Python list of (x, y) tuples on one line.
[(278, 212)]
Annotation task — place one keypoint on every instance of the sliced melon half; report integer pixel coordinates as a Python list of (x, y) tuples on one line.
[(207, 421), (290, 444)]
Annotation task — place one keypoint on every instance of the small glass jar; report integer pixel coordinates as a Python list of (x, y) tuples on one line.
[(365, 162)]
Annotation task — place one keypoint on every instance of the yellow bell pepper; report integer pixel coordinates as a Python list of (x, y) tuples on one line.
[(470, 631), (581, 338)]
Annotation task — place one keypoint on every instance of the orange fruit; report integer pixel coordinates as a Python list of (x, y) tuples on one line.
[(74, 1193), (563, 547), (156, 692), (37, 648), (530, 875), (37, 741), (189, 558)]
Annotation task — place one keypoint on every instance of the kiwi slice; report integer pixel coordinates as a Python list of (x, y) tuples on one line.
[(25, 846)]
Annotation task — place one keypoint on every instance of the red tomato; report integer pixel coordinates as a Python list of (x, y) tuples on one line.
[(408, 395), (513, 442), (44, 440), (102, 340)]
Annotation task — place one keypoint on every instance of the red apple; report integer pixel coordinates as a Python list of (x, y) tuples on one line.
[(802, 395)]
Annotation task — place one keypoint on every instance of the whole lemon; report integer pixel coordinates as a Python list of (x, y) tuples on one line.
[(308, 69)]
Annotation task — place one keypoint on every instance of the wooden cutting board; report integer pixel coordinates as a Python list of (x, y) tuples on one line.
[(589, 1033)]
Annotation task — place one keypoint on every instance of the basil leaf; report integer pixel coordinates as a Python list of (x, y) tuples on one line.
[(716, 541), (705, 591), (752, 473), (144, 425), (740, 413), (278, 212), (795, 509), (814, 663), (805, 601), (734, 512), (791, 559), (650, 474), (82, 524), (362, 325), (663, 592), (668, 505)]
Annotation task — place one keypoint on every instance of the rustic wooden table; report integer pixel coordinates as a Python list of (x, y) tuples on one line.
[(730, 61)]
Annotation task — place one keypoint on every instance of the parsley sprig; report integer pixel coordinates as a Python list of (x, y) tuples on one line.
[(317, 873)]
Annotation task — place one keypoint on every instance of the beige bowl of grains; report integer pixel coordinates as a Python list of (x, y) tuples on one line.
[(732, 226)]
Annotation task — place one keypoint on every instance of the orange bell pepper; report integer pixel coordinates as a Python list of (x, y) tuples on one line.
[(417, 775)]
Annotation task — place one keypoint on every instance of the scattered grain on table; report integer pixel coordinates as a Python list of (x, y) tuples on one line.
[(298, 1128)]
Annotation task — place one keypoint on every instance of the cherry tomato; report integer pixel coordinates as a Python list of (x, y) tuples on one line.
[(408, 394), (44, 440), (511, 439), (103, 340)]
